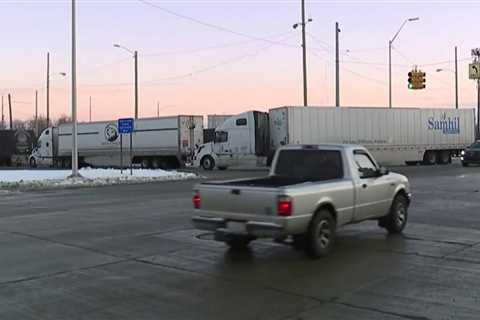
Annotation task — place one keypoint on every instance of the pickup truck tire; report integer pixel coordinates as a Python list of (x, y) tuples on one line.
[(238, 243), (320, 236), (396, 220), (207, 163)]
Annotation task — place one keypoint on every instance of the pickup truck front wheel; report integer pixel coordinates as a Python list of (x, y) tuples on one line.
[(396, 220), (320, 235)]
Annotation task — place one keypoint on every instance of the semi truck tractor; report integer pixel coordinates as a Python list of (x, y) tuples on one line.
[(166, 143), (395, 136)]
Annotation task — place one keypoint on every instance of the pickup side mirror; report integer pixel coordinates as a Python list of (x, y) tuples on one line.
[(383, 171), (366, 173)]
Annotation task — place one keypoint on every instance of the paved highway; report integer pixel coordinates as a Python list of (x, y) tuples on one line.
[(129, 252)]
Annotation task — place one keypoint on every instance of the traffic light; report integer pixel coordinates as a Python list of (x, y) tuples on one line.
[(410, 80), (416, 80)]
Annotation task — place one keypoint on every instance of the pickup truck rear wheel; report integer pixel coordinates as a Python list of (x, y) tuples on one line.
[(396, 220), (238, 242), (320, 235)]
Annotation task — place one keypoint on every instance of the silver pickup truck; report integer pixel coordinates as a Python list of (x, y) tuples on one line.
[(310, 192)]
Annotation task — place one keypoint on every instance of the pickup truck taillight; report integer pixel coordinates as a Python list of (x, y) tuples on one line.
[(284, 206), (196, 200)]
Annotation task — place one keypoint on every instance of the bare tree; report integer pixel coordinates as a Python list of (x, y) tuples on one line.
[(63, 119)]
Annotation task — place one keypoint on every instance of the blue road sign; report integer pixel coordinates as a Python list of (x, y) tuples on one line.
[(125, 125)]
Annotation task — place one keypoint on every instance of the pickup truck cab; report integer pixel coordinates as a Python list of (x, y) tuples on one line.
[(311, 191)]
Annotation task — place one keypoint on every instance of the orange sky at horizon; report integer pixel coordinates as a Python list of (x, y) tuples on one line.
[(191, 69)]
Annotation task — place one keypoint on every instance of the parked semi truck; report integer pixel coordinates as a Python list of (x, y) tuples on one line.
[(394, 136), (166, 143), (15, 146)]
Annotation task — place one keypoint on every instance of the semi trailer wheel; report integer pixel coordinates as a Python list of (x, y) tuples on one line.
[(33, 163), (430, 158), (444, 157)]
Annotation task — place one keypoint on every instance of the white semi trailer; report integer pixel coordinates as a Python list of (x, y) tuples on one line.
[(394, 136), (166, 142)]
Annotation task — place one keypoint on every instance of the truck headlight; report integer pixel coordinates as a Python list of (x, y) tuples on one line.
[(462, 153)]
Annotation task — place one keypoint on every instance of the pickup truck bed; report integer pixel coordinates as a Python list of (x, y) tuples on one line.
[(269, 181)]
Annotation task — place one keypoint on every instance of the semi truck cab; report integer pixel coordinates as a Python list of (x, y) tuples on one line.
[(43, 153), (241, 140)]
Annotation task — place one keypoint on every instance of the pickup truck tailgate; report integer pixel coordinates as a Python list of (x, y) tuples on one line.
[(238, 199)]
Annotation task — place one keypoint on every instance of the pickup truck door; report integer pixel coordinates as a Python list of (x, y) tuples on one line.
[(373, 194)]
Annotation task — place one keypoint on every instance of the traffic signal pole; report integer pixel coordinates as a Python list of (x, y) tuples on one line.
[(337, 67), (390, 73)]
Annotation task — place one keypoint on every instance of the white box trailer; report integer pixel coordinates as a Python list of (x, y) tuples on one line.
[(216, 120), (166, 142), (394, 136)]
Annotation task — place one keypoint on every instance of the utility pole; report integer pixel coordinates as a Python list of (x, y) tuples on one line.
[(48, 89), (90, 109), (10, 110), (135, 56), (158, 109), (36, 113), (456, 78), (74, 98), (337, 67), (3, 116), (304, 47), (390, 42), (478, 108)]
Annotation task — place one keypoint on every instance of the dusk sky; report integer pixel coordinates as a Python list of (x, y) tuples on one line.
[(192, 68)]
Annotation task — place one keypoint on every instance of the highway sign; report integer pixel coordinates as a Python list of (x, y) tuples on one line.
[(125, 125), (474, 70)]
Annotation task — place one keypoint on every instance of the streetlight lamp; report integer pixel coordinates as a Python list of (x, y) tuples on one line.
[(304, 53), (48, 86), (390, 42), (456, 83), (135, 57)]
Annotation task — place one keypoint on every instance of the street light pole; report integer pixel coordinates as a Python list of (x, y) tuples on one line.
[(456, 78), (3, 116), (455, 73), (390, 43), (390, 73), (337, 67), (36, 113), (90, 110), (48, 89), (304, 53), (74, 98), (304, 49), (135, 56)]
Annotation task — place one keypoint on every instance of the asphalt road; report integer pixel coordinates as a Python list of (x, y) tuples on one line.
[(129, 252)]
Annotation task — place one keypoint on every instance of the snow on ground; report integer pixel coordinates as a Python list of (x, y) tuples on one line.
[(39, 179)]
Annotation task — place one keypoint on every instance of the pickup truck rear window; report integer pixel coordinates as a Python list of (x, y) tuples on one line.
[(311, 165)]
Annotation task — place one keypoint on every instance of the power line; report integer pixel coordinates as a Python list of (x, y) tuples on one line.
[(209, 48), (211, 25), (196, 71)]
